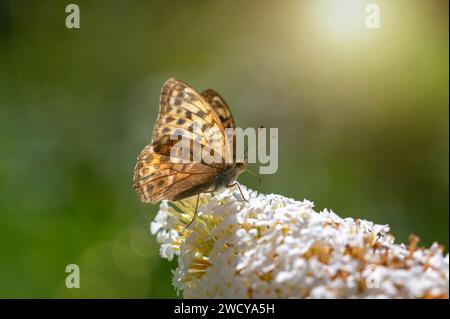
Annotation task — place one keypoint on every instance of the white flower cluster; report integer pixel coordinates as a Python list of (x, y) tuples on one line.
[(275, 247)]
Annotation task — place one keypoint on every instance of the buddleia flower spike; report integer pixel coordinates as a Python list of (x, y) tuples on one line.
[(276, 247)]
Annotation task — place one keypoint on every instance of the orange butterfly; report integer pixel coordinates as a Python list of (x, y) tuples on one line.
[(159, 175)]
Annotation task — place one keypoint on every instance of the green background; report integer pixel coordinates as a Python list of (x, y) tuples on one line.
[(362, 117)]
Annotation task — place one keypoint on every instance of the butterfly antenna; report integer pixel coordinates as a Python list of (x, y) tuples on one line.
[(254, 174), (246, 151)]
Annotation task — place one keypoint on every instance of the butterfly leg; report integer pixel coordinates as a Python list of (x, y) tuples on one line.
[(195, 214), (240, 190)]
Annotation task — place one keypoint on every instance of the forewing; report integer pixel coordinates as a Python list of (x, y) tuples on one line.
[(220, 107), (224, 113), (184, 112)]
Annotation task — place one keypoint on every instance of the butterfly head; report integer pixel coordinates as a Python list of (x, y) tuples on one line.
[(241, 166)]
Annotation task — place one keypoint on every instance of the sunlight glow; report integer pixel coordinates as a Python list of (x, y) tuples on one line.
[(343, 18)]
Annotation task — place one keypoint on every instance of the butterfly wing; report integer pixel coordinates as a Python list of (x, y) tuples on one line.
[(185, 114), (156, 177), (224, 113), (220, 107)]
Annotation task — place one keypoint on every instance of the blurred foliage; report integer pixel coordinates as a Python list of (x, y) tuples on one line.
[(362, 117)]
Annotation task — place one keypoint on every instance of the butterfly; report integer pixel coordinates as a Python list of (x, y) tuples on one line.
[(201, 121)]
